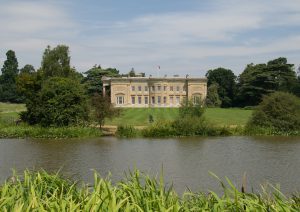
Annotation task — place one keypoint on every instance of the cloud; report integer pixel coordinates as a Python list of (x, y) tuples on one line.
[(184, 41)]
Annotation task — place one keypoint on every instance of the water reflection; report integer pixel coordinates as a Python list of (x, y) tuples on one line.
[(186, 162)]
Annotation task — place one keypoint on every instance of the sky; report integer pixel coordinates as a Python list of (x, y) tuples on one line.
[(181, 36)]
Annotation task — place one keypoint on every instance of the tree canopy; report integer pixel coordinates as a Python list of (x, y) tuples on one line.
[(263, 79), (225, 79), (8, 91)]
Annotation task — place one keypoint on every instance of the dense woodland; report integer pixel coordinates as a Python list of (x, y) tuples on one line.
[(56, 94)]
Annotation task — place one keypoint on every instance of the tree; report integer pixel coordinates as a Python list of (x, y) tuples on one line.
[(263, 79), (8, 91), (225, 78), (212, 98), (131, 73), (190, 109), (102, 108), (60, 102), (27, 69), (93, 82), (279, 110), (56, 62)]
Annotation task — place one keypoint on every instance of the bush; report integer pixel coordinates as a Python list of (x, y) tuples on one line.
[(126, 131), (60, 102), (279, 111), (159, 129)]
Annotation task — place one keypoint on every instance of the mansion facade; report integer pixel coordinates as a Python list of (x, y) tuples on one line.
[(154, 91)]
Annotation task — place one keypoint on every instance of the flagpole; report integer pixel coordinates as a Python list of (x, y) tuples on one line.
[(158, 69)]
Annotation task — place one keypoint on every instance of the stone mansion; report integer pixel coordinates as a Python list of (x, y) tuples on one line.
[(154, 91)]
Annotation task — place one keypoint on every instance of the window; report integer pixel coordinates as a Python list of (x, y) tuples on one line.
[(177, 100), (171, 88), (165, 88), (153, 88), (132, 88), (158, 88), (171, 99), (153, 100), (139, 100), (120, 100), (177, 88), (158, 99), (133, 100), (183, 88), (165, 100), (146, 88), (197, 99), (146, 100), (140, 88)]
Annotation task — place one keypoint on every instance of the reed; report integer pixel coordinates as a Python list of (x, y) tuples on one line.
[(41, 191)]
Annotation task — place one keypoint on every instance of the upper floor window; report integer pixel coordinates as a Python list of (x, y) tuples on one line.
[(133, 88), (177, 88), (183, 88), (171, 88), (153, 88), (165, 88), (146, 88), (158, 88), (139, 88)]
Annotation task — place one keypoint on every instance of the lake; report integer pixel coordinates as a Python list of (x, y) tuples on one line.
[(185, 161)]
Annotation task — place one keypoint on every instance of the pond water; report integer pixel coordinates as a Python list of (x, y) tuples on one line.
[(186, 162)]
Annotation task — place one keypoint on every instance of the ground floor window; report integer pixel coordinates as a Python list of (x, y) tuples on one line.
[(139, 100), (177, 100), (120, 100), (158, 99), (133, 100), (197, 99), (153, 100), (146, 100), (165, 100), (171, 99)]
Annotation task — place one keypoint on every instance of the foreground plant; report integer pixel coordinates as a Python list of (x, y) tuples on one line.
[(40, 191)]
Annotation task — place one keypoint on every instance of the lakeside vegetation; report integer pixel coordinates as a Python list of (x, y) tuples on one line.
[(41, 191)]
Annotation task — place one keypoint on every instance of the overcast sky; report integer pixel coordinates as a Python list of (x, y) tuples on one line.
[(181, 36)]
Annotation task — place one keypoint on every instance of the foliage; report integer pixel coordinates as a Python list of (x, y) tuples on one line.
[(25, 131), (212, 98), (56, 62), (189, 108), (225, 78), (60, 102), (93, 82), (159, 129), (8, 91), (263, 79), (125, 131), (102, 109), (280, 111), (40, 191)]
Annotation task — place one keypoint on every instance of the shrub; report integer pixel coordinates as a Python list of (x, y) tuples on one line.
[(159, 129), (189, 108), (280, 111), (126, 131)]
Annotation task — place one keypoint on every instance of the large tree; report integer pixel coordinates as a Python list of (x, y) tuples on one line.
[(8, 91), (263, 79), (56, 62), (93, 82), (225, 79)]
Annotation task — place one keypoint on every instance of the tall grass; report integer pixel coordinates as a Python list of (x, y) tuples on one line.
[(24, 131), (40, 191)]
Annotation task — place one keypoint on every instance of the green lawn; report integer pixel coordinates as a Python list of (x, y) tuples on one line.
[(10, 112), (140, 116)]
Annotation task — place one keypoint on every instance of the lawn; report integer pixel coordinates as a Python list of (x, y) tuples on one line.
[(10, 112), (219, 116)]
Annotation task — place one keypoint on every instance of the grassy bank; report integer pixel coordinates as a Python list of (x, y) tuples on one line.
[(40, 191), (218, 116)]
